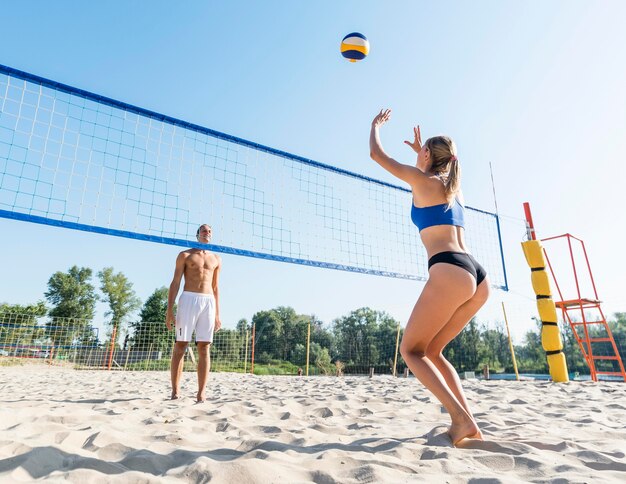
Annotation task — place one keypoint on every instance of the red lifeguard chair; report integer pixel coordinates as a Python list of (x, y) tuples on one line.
[(584, 314)]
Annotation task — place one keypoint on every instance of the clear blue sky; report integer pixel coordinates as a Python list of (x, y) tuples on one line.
[(535, 88)]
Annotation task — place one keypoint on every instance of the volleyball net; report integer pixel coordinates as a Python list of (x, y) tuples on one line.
[(74, 159)]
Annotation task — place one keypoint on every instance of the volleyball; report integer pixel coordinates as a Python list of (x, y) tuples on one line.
[(355, 47)]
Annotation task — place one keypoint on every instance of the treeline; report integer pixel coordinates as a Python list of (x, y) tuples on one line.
[(367, 338), (351, 343), (72, 299)]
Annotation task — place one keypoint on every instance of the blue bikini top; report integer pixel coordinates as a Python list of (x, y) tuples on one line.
[(438, 215)]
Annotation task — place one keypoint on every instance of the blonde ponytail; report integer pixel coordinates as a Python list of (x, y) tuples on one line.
[(453, 180), (445, 164)]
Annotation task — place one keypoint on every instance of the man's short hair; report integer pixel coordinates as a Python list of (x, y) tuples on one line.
[(198, 231)]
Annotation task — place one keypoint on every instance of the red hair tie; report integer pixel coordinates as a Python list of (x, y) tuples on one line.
[(454, 158)]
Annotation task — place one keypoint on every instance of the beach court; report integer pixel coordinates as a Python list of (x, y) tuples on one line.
[(93, 426)]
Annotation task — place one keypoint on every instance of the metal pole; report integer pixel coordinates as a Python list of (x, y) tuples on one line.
[(530, 226), (308, 345), (245, 357), (395, 358), (252, 363), (508, 332)]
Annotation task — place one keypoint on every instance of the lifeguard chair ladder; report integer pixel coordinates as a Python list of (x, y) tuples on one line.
[(590, 338)]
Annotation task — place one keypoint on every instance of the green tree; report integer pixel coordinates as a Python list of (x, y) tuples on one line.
[(278, 332), (618, 324), (318, 356), (618, 330), (294, 331), (119, 295), (27, 314), (268, 332), (466, 350), (532, 356), (243, 326), (356, 336), (150, 331), (73, 299), (322, 336), (573, 355), (244, 330), (386, 340), (18, 325), (321, 357), (495, 351), (227, 349)]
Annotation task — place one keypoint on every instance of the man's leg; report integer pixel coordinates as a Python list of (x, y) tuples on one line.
[(178, 354), (204, 366)]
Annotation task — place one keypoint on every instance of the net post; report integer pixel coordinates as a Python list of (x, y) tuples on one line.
[(245, 354), (395, 358), (252, 362), (506, 322), (530, 226), (308, 346)]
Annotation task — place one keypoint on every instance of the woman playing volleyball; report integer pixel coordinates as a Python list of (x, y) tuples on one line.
[(457, 284)]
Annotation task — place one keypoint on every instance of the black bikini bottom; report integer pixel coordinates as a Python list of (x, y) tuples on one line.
[(460, 259)]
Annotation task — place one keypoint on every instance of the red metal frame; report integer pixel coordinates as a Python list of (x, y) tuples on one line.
[(581, 304), (530, 226)]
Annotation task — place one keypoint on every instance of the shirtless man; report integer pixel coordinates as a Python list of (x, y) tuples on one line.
[(198, 309)]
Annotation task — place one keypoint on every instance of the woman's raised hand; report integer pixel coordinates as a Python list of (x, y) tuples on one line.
[(416, 145), (381, 118)]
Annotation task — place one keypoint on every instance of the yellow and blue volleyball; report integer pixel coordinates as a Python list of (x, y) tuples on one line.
[(355, 47)]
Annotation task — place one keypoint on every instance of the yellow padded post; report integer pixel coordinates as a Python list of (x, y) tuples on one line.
[(558, 368), (541, 283), (547, 310), (533, 251), (551, 338), (550, 334)]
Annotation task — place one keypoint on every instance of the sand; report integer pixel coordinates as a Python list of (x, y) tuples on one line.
[(59, 424)]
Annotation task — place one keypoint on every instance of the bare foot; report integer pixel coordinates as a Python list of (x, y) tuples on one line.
[(200, 398), (467, 429), (175, 396), (478, 435)]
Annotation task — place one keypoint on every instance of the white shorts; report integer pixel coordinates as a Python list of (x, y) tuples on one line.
[(195, 312)]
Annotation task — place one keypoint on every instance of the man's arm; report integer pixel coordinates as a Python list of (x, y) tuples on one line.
[(174, 287), (216, 293)]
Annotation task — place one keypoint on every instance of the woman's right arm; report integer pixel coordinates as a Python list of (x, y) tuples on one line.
[(407, 173)]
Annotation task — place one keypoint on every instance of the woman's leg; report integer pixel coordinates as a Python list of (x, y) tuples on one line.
[(448, 288), (454, 326)]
